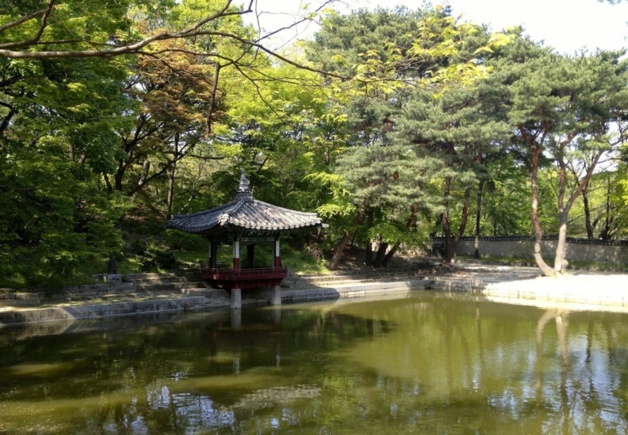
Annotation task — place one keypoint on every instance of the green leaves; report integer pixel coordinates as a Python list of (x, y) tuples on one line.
[(56, 220)]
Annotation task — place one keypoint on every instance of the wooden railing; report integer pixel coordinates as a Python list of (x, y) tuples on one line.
[(244, 278)]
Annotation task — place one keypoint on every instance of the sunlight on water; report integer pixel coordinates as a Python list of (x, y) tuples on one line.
[(424, 364), (36, 369)]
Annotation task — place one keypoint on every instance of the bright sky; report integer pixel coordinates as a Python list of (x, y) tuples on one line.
[(566, 25)]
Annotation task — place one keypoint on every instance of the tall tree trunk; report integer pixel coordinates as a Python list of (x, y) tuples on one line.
[(390, 254), (112, 266), (396, 246), (464, 218), (609, 218), (170, 194), (587, 212), (381, 254), (449, 249), (212, 100), (368, 252), (538, 233), (560, 260), (608, 232), (112, 262), (340, 248), (445, 225), (560, 257), (340, 251), (369, 242), (171, 177), (478, 215), (451, 240)]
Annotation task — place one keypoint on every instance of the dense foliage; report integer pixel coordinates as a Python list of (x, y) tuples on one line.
[(393, 124)]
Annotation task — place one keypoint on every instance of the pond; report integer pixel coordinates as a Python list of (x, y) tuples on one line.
[(429, 363)]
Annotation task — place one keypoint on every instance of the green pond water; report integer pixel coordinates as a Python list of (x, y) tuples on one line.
[(429, 363)]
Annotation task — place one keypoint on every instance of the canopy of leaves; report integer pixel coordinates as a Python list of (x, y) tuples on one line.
[(113, 115)]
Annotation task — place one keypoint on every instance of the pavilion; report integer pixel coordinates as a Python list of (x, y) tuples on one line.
[(248, 222)]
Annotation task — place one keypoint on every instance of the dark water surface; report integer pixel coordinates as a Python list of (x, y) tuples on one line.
[(425, 364)]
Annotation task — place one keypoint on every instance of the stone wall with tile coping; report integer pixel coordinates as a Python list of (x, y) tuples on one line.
[(603, 253)]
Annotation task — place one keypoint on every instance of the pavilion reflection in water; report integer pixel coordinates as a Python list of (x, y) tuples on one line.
[(245, 222)]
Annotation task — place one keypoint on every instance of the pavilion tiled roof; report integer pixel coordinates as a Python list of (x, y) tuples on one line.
[(244, 214)]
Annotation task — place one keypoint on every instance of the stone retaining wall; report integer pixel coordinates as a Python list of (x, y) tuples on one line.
[(602, 253), (200, 300), (95, 311)]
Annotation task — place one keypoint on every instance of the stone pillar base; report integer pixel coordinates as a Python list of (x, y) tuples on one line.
[(275, 295), (236, 298)]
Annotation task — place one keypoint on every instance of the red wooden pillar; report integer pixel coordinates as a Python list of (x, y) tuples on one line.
[(214, 254), (236, 254), (236, 293), (277, 251), (211, 263)]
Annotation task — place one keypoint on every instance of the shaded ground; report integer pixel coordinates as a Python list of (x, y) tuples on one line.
[(354, 262)]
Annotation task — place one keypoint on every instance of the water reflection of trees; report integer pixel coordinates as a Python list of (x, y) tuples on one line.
[(166, 378), (480, 356), (427, 364)]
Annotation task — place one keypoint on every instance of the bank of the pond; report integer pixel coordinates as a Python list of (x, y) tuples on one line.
[(576, 291), (151, 293), (508, 284)]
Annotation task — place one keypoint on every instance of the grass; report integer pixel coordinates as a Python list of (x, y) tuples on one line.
[(15, 281), (302, 262), (129, 264)]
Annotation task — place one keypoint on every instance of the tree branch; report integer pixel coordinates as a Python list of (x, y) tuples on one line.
[(40, 31), (22, 20), (139, 47)]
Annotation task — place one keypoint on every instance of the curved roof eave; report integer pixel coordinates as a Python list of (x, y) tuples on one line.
[(244, 214)]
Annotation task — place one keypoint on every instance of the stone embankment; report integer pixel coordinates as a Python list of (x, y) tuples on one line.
[(136, 294), (154, 293)]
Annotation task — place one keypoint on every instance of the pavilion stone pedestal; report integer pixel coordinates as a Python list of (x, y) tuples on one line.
[(236, 298), (275, 295)]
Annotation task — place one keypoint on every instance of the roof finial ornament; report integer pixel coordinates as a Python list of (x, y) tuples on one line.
[(244, 183)]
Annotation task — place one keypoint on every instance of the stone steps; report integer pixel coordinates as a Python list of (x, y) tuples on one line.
[(143, 286), (168, 286), (138, 277), (310, 281), (129, 287)]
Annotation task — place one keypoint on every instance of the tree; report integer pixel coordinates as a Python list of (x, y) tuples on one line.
[(57, 135), (449, 127), (602, 212), (369, 47), (100, 104), (506, 192), (560, 109), (396, 58), (621, 188), (172, 94)]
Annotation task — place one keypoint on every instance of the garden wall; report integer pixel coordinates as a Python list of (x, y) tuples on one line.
[(601, 252)]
